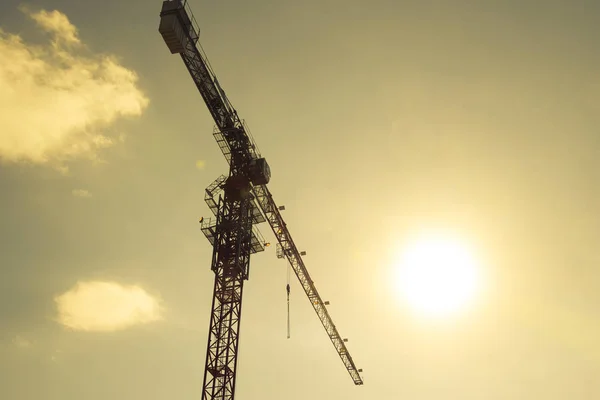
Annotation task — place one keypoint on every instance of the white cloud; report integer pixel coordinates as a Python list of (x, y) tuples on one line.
[(106, 306), (21, 342), (58, 24), (81, 193), (54, 99)]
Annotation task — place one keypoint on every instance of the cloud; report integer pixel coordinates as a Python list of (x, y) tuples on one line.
[(56, 100), (21, 342), (56, 23), (106, 306), (81, 193)]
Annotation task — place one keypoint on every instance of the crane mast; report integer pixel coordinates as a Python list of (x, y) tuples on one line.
[(243, 201)]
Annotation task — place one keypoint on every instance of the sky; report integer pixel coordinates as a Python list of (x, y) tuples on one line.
[(380, 120)]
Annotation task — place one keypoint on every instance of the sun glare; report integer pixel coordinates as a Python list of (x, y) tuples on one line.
[(437, 276)]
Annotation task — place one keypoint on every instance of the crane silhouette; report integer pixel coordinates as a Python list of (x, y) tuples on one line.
[(239, 201)]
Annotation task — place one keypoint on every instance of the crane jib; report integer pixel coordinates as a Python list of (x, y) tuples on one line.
[(180, 32)]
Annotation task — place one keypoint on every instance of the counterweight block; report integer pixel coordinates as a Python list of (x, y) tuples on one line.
[(177, 26)]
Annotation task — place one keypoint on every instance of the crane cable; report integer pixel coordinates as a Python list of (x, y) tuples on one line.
[(288, 301)]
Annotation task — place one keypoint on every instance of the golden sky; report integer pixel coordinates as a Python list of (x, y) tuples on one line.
[(379, 119)]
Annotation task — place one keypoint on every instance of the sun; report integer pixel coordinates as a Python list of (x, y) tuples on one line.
[(437, 276)]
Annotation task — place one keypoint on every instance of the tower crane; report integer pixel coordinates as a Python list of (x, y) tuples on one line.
[(243, 201)]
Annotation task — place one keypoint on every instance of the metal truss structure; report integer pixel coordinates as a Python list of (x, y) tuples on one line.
[(239, 201)]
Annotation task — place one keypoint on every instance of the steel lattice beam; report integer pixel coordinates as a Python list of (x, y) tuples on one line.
[(271, 211)]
